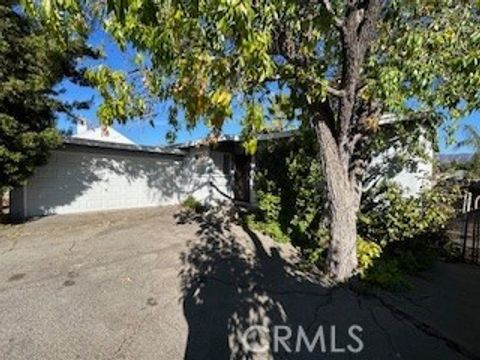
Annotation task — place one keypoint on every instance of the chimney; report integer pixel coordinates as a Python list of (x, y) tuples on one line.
[(81, 126), (104, 131)]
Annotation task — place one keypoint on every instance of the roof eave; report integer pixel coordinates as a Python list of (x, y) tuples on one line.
[(120, 146)]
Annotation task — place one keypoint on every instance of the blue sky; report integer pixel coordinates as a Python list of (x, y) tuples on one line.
[(139, 131), (143, 133)]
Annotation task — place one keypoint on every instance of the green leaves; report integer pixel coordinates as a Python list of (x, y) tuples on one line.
[(120, 100), (367, 252), (253, 124), (388, 215), (200, 53), (426, 51), (290, 192), (118, 7), (32, 65)]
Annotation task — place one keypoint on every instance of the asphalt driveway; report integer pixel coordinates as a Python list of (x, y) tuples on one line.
[(153, 284)]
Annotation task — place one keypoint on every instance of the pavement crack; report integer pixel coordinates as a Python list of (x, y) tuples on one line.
[(384, 330), (129, 338), (328, 301), (414, 303), (426, 328)]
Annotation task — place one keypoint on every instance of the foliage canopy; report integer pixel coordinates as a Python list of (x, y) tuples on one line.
[(31, 65), (211, 56)]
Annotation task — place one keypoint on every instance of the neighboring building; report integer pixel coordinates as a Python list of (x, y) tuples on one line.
[(100, 169), (101, 133)]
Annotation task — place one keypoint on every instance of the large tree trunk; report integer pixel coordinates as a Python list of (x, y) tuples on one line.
[(338, 135), (344, 203)]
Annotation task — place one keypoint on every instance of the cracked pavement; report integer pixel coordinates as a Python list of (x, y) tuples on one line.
[(146, 284)]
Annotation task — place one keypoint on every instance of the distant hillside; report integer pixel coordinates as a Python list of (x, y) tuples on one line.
[(457, 158)]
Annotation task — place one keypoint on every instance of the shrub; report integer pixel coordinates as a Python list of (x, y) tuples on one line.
[(269, 206), (408, 257), (408, 231), (386, 275), (271, 229), (290, 196), (193, 204), (367, 252), (388, 215)]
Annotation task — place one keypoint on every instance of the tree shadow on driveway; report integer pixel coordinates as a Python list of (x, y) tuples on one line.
[(231, 280)]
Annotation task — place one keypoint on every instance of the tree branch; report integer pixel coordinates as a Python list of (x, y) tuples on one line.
[(367, 25), (335, 92), (328, 6), (357, 35), (325, 113)]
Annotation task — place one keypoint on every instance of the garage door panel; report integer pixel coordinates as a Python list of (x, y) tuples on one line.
[(77, 182)]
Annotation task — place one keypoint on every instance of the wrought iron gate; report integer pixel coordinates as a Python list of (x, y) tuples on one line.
[(471, 237)]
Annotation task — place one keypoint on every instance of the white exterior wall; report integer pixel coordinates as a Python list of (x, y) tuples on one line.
[(201, 168), (92, 180), (412, 178), (414, 181), (253, 194)]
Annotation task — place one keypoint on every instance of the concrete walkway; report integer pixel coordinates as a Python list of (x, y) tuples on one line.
[(154, 284)]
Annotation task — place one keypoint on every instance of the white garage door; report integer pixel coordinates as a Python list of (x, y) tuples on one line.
[(76, 181)]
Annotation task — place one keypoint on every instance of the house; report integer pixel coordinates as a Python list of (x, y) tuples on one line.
[(100, 169)]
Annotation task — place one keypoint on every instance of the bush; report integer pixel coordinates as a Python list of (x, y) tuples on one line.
[(408, 257), (269, 206), (408, 230), (193, 204), (289, 189), (385, 275), (367, 252), (271, 229), (388, 215)]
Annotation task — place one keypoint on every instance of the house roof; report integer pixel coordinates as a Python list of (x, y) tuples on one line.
[(106, 134), (233, 138), (97, 144), (385, 119), (112, 139)]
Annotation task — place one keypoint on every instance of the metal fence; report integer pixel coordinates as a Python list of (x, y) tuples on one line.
[(471, 236)]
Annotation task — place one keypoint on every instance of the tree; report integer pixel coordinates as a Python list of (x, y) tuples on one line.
[(333, 65), (472, 140), (31, 65)]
